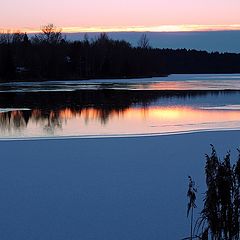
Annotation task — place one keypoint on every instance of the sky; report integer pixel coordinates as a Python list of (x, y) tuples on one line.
[(124, 15), (211, 41)]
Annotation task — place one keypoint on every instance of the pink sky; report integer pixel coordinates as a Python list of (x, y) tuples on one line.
[(112, 14)]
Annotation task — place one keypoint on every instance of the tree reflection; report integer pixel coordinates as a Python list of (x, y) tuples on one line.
[(11, 121), (51, 110)]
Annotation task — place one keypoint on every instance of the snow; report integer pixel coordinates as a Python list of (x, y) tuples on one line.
[(3, 110), (225, 107), (103, 188)]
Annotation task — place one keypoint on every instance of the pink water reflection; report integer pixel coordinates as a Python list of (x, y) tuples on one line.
[(91, 121)]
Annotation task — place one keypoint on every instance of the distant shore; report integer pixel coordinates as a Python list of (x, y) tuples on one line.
[(84, 79), (105, 78)]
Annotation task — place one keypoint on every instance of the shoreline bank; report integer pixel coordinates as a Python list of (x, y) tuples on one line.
[(116, 136)]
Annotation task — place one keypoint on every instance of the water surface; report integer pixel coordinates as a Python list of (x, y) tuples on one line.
[(178, 103)]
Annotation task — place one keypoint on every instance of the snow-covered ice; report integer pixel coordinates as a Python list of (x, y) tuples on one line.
[(104, 188)]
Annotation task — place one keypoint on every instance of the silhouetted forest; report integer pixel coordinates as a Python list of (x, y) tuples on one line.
[(48, 55)]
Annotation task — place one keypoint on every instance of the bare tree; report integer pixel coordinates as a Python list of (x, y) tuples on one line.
[(50, 34), (144, 42)]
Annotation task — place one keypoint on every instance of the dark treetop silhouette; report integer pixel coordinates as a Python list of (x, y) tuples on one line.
[(48, 55)]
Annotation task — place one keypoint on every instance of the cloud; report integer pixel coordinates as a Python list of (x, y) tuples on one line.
[(161, 28)]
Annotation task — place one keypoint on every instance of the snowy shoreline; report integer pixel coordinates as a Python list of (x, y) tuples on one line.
[(114, 136)]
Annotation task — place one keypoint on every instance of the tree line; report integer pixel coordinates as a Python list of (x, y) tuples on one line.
[(49, 55)]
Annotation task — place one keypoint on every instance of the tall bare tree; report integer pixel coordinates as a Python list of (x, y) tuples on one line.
[(50, 34), (144, 42)]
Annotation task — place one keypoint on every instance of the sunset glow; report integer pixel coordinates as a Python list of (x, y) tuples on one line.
[(162, 28), (92, 121), (113, 16)]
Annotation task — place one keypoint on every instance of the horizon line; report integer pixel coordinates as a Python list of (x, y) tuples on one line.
[(161, 28)]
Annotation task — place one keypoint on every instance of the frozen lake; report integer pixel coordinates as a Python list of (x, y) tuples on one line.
[(172, 82), (174, 104), (110, 188)]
